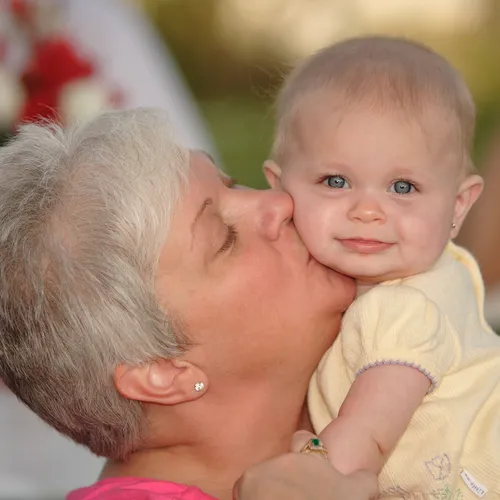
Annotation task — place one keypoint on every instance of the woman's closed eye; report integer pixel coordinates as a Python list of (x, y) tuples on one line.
[(230, 240)]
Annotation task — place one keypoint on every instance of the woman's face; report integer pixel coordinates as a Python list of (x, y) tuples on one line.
[(234, 270)]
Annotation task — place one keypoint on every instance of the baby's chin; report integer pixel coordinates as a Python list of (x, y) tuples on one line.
[(367, 277), (370, 272), (362, 270)]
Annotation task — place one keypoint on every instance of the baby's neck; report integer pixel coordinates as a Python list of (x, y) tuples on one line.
[(363, 286)]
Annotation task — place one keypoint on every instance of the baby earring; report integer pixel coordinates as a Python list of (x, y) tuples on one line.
[(453, 225)]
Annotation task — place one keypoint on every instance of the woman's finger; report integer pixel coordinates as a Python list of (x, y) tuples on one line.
[(300, 439), (308, 443)]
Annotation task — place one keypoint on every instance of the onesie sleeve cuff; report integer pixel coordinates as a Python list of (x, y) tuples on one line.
[(402, 358)]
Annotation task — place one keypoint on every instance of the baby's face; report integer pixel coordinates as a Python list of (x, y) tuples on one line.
[(374, 193)]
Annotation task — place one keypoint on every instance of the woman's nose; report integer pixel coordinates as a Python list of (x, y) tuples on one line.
[(276, 210), (366, 210)]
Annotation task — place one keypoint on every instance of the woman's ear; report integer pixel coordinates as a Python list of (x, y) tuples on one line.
[(469, 191), (272, 171), (166, 382)]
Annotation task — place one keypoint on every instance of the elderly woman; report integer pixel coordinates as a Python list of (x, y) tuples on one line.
[(155, 313)]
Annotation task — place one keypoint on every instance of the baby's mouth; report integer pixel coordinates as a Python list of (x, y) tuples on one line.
[(365, 246)]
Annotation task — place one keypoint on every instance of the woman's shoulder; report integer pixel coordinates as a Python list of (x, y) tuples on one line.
[(132, 488)]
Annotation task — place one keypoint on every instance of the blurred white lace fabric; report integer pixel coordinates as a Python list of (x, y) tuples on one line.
[(35, 461)]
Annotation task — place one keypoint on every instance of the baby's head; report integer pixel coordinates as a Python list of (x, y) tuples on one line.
[(373, 142)]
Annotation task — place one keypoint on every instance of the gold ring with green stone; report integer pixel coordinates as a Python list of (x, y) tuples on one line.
[(315, 446)]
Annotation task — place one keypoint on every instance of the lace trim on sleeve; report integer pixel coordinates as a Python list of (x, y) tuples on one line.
[(421, 369)]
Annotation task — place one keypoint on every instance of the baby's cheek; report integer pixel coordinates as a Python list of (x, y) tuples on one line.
[(307, 229), (329, 257), (316, 233), (424, 241), (313, 219)]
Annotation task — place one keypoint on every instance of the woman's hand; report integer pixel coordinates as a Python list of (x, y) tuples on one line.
[(296, 476)]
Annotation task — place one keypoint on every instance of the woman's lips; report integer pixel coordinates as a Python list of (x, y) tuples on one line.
[(361, 245)]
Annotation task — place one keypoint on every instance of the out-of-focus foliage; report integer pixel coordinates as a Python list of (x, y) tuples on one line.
[(211, 68), (235, 77)]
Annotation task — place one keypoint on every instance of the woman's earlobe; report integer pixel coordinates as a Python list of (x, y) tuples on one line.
[(272, 172), (166, 382)]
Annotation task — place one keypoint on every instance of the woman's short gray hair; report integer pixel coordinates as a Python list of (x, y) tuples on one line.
[(84, 213)]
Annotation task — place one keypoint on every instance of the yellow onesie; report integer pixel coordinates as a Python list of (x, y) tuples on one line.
[(434, 322)]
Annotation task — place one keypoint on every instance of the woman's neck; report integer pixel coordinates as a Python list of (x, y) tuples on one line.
[(222, 444)]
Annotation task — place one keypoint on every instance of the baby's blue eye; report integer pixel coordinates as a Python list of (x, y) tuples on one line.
[(402, 187), (336, 181)]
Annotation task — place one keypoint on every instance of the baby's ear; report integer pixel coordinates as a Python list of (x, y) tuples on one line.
[(468, 193), (272, 171)]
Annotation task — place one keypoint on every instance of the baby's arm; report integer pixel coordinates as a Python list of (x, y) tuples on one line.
[(373, 417)]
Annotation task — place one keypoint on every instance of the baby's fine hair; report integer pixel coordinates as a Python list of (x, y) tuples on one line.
[(382, 72)]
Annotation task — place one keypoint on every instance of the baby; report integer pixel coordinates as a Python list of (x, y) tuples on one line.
[(373, 143)]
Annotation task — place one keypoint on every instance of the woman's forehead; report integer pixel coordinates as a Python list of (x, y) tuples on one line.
[(204, 168), (205, 153)]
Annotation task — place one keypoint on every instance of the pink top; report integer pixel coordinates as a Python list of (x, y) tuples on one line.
[(134, 488)]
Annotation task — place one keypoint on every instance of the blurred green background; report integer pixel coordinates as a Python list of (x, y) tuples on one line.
[(234, 54)]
